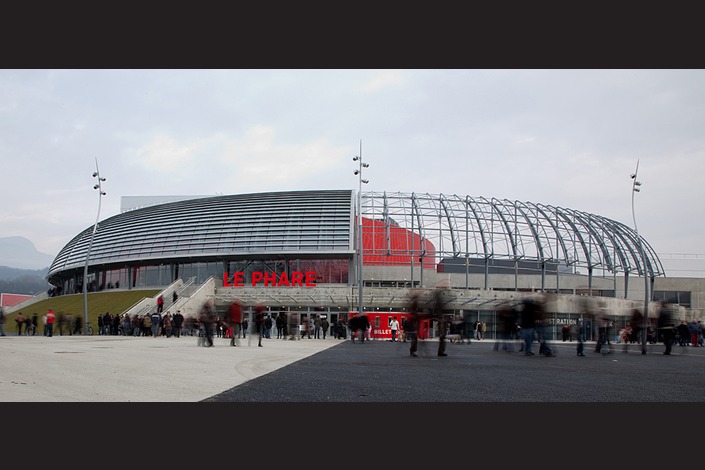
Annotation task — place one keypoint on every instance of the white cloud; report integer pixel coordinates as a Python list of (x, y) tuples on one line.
[(385, 79), (166, 153), (258, 157)]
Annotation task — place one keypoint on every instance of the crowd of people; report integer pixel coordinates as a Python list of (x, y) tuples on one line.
[(520, 324)]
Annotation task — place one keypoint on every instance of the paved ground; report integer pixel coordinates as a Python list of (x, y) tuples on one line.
[(136, 369), (384, 372), (127, 369)]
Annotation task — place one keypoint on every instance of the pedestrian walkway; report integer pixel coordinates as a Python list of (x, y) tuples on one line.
[(173, 370), (137, 369)]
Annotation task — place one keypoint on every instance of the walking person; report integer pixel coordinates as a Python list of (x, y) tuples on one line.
[(207, 319), (324, 326), (178, 323), (268, 326), (244, 326), (666, 326), (694, 329), (259, 323), (580, 328), (438, 301), (316, 327), (528, 319), (19, 319), (234, 320), (412, 324), (604, 345), (305, 328), (280, 323), (506, 319), (394, 327), (51, 318), (2, 321), (155, 319)]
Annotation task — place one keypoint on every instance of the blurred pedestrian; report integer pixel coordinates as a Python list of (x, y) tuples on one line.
[(506, 319), (580, 336), (51, 319), (259, 323), (77, 325), (325, 324), (694, 329), (19, 319), (207, 318), (528, 318), (666, 326), (155, 320), (542, 327), (234, 321), (412, 323), (305, 327), (280, 323), (637, 322), (178, 323), (603, 345), (316, 327)]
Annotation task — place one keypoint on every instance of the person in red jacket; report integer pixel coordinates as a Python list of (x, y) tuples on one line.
[(234, 322), (51, 318)]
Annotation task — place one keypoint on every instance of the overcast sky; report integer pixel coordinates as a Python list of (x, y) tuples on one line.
[(568, 138)]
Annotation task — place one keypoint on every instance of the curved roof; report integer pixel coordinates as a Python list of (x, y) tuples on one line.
[(251, 225), (322, 224), (463, 226)]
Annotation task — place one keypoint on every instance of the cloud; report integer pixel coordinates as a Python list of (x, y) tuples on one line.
[(259, 157), (166, 152), (385, 79)]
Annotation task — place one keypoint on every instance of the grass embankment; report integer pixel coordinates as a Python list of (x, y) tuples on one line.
[(116, 302)]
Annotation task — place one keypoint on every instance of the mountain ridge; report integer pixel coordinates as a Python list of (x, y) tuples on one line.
[(20, 253)]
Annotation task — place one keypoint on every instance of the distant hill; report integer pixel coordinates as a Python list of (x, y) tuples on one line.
[(23, 281), (20, 253)]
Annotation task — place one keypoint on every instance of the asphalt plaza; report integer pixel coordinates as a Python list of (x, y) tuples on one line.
[(384, 372), (144, 369)]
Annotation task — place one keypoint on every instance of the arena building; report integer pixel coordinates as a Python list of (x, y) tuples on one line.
[(298, 251)]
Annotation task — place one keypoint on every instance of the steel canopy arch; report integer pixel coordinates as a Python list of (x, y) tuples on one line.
[(555, 228), (560, 211), (512, 242), (451, 225), (605, 258), (483, 237), (534, 233)]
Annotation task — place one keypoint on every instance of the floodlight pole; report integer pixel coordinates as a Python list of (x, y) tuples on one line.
[(358, 172), (635, 189), (99, 187)]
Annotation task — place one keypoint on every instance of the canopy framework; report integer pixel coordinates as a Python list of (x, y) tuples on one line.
[(466, 227)]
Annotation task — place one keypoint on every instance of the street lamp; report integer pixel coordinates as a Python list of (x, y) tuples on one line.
[(635, 189), (358, 172), (99, 187)]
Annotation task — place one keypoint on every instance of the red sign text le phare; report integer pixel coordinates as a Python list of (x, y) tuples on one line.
[(269, 279)]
